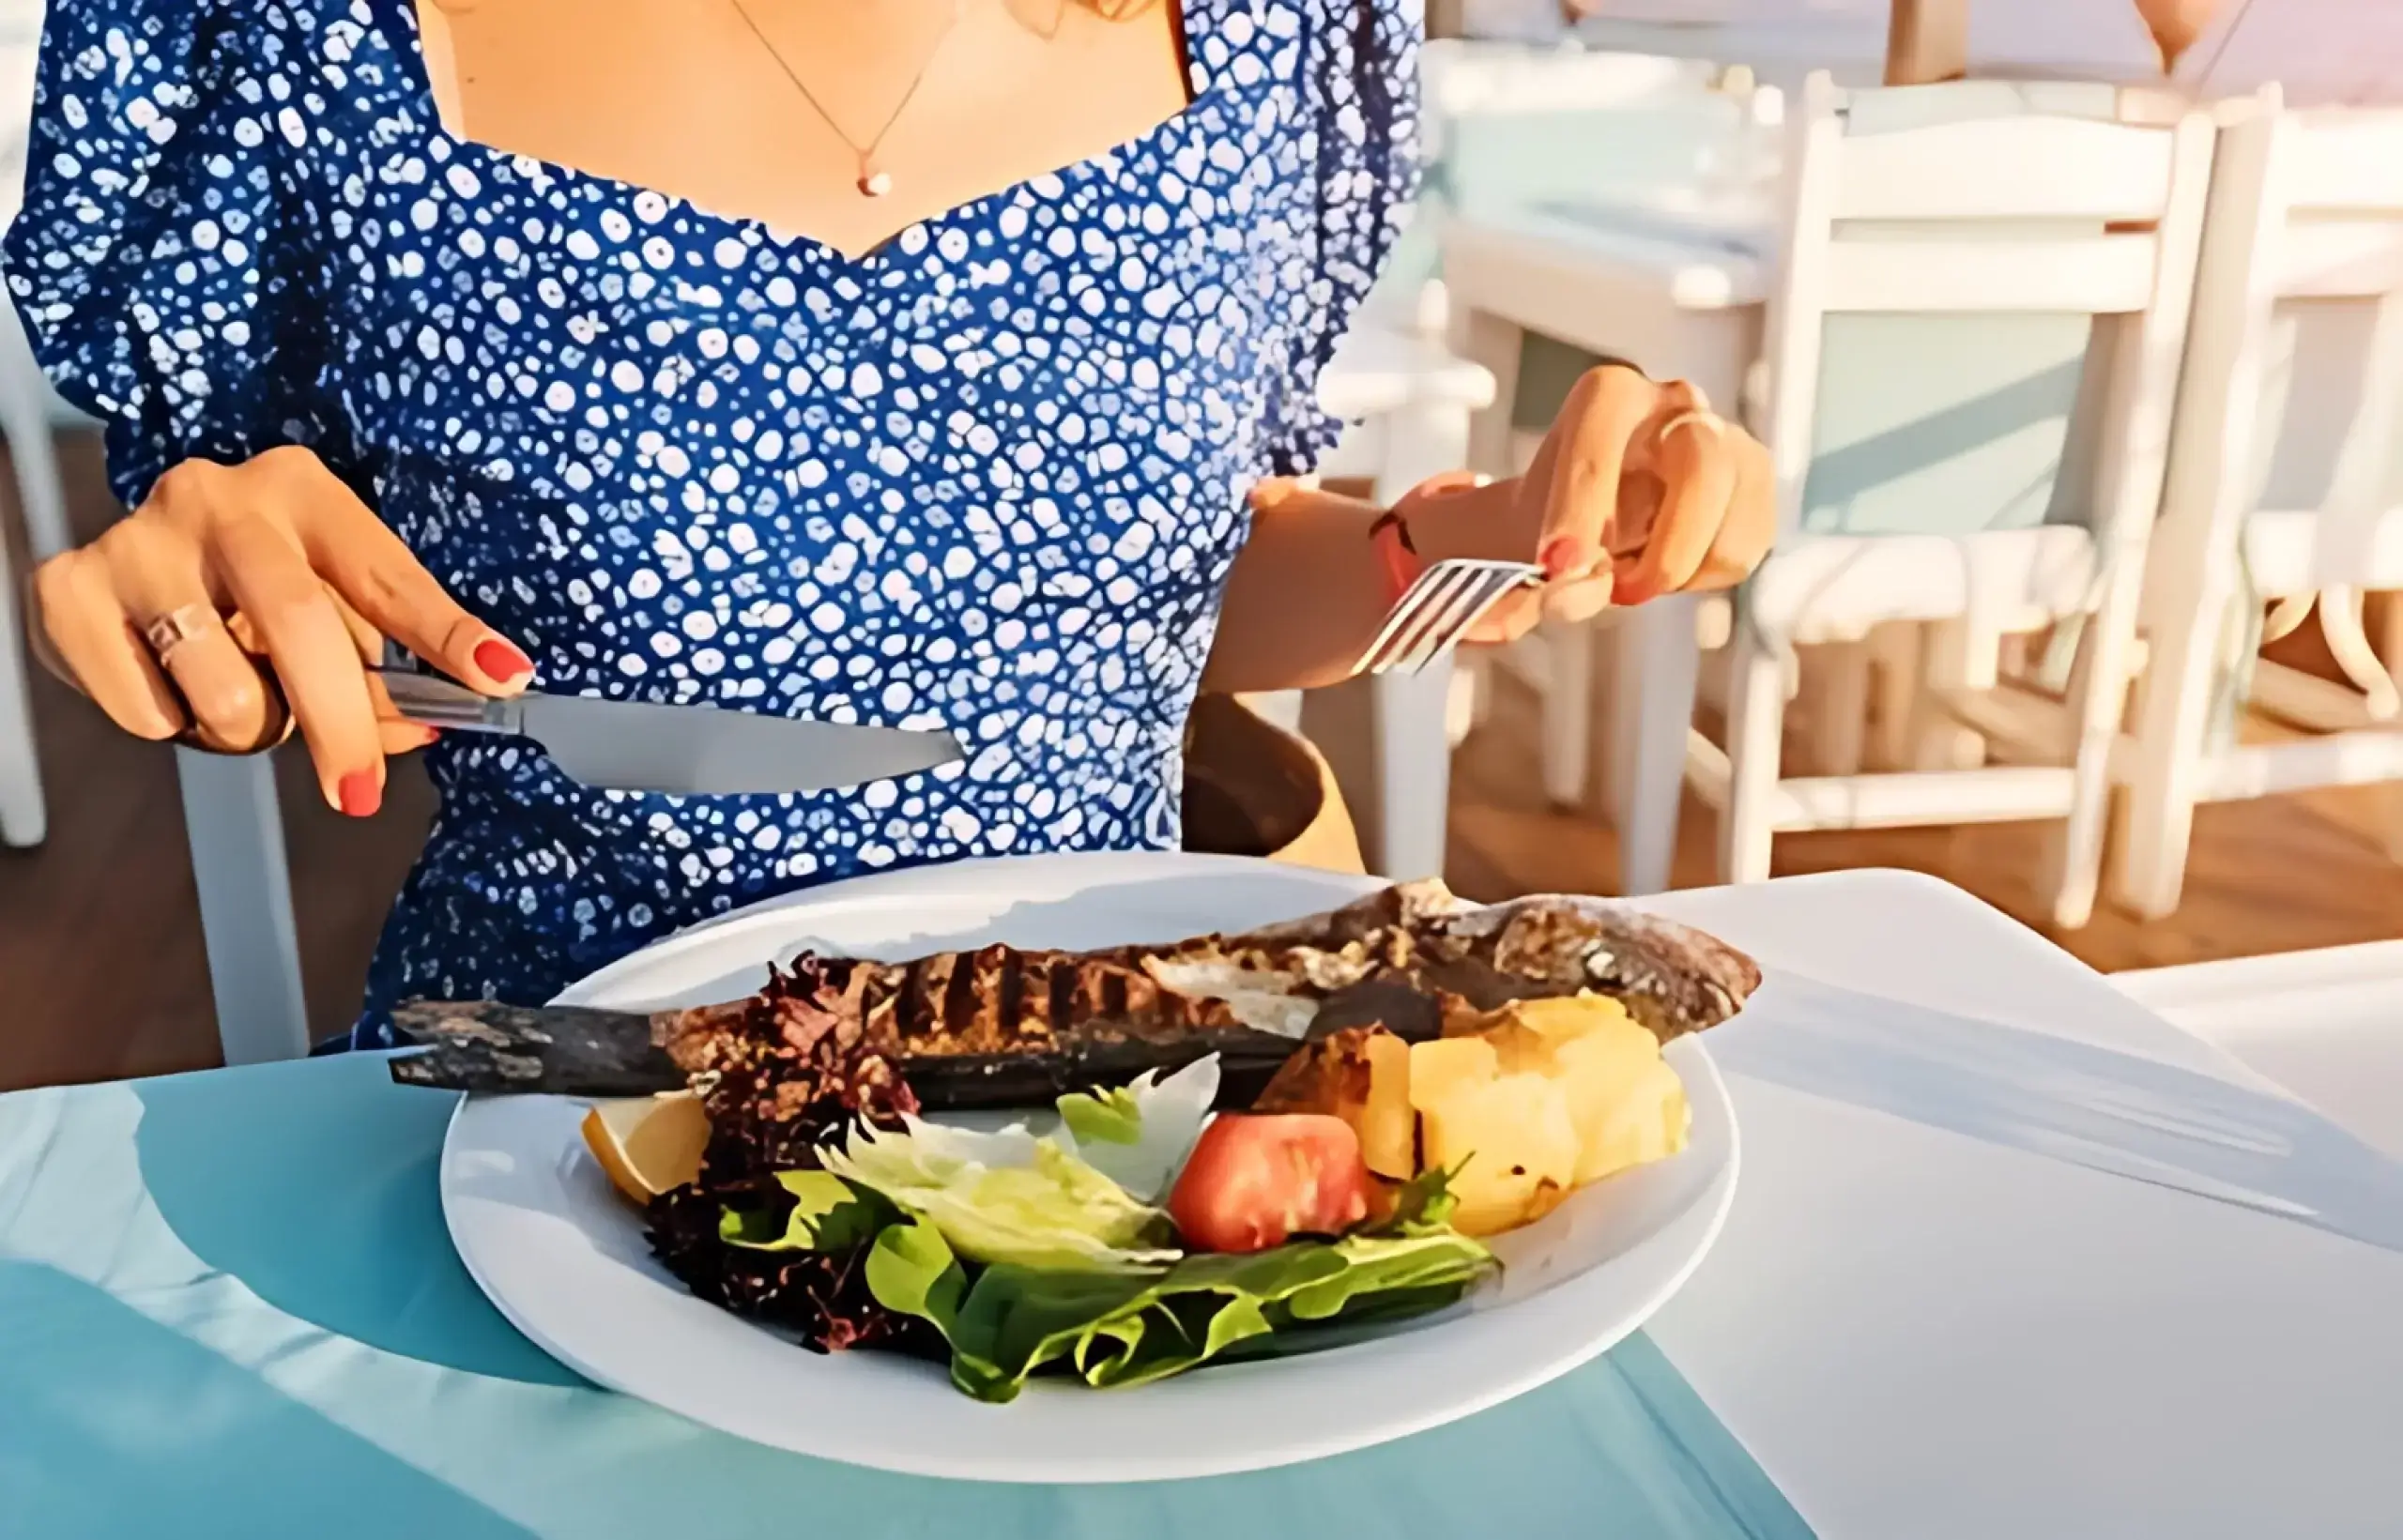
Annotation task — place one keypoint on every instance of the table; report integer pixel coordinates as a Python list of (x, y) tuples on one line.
[(1928, 1318), (2327, 1023), (1941, 1306)]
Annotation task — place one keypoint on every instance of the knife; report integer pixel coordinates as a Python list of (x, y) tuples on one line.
[(698, 751)]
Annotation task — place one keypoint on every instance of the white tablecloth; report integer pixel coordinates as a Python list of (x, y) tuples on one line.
[(1971, 1286)]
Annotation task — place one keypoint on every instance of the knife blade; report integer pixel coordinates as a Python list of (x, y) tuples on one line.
[(698, 750)]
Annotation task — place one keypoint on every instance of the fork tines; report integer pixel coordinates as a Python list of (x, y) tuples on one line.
[(1449, 597)]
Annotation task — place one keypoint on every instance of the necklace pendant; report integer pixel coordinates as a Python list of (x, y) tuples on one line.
[(874, 183)]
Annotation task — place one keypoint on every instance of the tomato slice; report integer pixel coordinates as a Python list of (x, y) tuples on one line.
[(1256, 1180)]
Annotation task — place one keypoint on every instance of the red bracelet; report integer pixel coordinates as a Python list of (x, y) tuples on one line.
[(1398, 554)]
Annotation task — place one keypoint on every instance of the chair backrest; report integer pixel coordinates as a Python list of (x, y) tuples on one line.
[(1634, 140), (1508, 126), (1505, 127), (2079, 203), (2294, 399)]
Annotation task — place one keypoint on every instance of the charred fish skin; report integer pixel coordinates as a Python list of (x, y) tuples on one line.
[(484, 1045), (1001, 1027)]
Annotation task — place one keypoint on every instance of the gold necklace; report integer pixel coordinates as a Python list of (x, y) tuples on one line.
[(874, 180)]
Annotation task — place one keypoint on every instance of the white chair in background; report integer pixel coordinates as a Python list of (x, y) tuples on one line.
[(1408, 401), (2286, 484), (1643, 174), (1960, 199), (1503, 125), (25, 420), (23, 819)]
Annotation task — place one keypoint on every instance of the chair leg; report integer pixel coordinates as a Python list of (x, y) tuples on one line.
[(1568, 711), (1279, 708), (22, 818), (1414, 770), (1895, 670), (2170, 752), (235, 828), (25, 418), (1656, 659), (2099, 698), (2390, 647), (1953, 657), (1755, 723), (1840, 726)]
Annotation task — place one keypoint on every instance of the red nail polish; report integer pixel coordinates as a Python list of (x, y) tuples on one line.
[(501, 662), (1557, 555), (360, 794)]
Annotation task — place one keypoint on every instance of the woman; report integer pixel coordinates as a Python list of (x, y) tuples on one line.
[(683, 350)]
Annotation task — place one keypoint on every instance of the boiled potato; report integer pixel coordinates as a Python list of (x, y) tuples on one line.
[(1387, 1125), (1510, 1141), (1630, 1107), (1564, 1016), (1623, 1101), (1439, 1066)]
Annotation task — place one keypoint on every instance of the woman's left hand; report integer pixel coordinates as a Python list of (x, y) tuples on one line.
[(1639, 489)]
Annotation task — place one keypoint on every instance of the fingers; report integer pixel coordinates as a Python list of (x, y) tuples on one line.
[(155, 567), (398, 733), (372, 572), (1696, 462), (94, 646), (1580, 599), (1751, 526), (1512, 616), (1579, 470), (314, 654)]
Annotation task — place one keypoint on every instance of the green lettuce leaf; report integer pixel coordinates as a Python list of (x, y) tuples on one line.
[(1055, 1212), (1122, 1329), (1139, 1135), (1103, 1117), (828, 1214)]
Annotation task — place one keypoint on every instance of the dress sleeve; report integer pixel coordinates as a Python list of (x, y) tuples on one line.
[(164, 258), (1360, 78)]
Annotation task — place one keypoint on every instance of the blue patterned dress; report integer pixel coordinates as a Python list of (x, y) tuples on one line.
[(989, 476)]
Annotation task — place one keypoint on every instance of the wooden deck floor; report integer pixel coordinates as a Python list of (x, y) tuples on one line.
[(102, 975)]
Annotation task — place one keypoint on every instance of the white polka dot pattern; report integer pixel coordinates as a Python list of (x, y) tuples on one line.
[(989, 476)]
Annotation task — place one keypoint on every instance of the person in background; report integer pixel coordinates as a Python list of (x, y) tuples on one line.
[(925, 362)]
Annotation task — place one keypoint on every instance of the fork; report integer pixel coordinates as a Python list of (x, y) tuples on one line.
[(1436, 611)]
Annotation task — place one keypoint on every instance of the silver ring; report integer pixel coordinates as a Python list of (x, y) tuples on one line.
[(178, 626), (1701, 414)]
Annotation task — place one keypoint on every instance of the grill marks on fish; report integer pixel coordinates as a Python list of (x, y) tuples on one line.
[(1006, 1027), (1000, 1000)]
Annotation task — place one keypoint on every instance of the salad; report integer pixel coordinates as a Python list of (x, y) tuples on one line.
[(1133, 1234)]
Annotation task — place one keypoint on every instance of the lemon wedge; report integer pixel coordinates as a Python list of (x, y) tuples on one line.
[(648, 1144)]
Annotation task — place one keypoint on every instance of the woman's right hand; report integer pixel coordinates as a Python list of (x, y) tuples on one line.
[(272, 564)]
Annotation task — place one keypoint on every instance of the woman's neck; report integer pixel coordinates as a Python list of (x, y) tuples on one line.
[(760, 109)]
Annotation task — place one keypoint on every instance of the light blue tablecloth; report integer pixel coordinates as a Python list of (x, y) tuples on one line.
[(228, 1307)]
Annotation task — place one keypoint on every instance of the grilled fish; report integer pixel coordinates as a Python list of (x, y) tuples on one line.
[(1004, 1027)]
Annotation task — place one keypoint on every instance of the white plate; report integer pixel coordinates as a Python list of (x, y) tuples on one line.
[(565, 1260)]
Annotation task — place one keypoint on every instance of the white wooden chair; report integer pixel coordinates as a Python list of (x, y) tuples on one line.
[(23, 819), (25, 420), (2286, 484), (1408, 401), (1504, 123), (1964, 199)]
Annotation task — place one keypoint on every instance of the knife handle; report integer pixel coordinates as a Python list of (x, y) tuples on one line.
[(421, 698), (438, 703)]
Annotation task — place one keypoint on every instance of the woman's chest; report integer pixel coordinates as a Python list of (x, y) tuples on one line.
[(535, 324), (1007, 454)]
